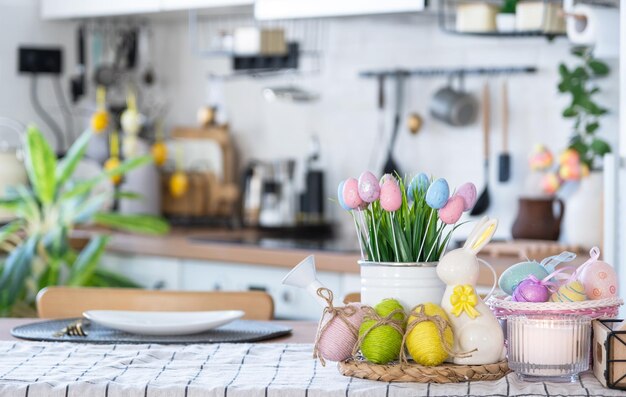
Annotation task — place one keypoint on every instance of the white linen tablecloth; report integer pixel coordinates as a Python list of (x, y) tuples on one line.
[(85, 370)]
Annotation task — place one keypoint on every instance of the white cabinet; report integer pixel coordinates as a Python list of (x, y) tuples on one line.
[(177, 5), (62, 9), (147, 271), (287, 9)]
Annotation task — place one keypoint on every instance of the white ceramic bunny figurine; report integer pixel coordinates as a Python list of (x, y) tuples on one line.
[(473, 324)]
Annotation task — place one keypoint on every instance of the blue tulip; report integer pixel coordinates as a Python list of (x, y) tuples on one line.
[(340, 196), (438, 194)]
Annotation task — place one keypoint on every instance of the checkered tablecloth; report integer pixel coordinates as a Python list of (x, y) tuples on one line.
[(66, 369)]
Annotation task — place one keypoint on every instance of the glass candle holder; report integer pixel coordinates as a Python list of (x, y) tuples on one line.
[(551, 347)]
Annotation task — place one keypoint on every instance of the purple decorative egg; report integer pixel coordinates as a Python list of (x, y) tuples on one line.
[(531, 291), (437, 194), (390, 196), (351, 193), (468, 192), (369, 189), (340, 196), (452, 211)]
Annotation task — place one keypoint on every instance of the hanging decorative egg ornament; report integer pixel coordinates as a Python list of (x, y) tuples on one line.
[(437, 194), (600, 280), (531, 290), (468, 192), (452, 211), (130, 121), (573, 291), (340, 196), (390, 196), (369, 189), (351, 193), (111, 164), (179, 184), (159, 153), (511, 277), (99, 121)]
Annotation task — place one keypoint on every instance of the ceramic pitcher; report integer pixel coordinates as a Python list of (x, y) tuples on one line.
[(537, 218)]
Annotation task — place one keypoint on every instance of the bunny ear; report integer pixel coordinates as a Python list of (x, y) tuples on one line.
[(481, 235)]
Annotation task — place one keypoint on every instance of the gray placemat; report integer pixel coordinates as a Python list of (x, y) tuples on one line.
[(238, 331)]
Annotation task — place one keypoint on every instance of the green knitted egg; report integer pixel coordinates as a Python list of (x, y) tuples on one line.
[(383, 343)]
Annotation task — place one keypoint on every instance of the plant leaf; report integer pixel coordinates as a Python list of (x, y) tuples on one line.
[(40, 164), (16, 269), (592, 127), (106, 278), (600, 147), (85, 265), (599, 68), (570, 112), (146, 224), (10, 228), (67, 166)]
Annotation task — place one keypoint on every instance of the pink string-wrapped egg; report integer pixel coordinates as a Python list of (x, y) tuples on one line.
[(452, 211), (390, 196), (338, 340), (351, 193), (369, 189)]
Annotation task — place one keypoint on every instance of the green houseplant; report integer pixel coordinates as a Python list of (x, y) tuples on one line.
[(38, 240)]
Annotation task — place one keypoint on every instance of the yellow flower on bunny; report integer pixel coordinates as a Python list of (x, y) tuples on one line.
[(464, 299), (478, 337)]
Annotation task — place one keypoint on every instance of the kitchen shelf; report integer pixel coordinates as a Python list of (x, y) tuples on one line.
[(440, 71)]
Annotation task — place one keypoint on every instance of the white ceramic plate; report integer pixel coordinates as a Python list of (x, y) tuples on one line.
[(162, 323)]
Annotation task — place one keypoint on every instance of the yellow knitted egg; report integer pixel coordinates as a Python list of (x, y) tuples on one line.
[(424, 341), (571, 292)]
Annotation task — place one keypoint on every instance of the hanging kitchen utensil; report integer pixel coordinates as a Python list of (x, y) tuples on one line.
[(77, 83), (380, 100), (391, 167), (145, 56), (484, 200), (454, 107), (504, 159)]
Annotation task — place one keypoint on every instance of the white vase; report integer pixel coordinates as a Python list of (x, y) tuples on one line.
[(410, 283), (583, 212)]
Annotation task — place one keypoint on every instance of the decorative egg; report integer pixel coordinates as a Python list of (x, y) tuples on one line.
[(531, 291), (385, 178), (342, 203), (452, 211), (571, 292), (468, 192), (369, 189), (419, 182), (351, 193), (339, 336), (437, 194), (131, 121), (515, 274), (600, 280), (390, 196)]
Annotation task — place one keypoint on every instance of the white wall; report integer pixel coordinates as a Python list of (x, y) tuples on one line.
[(346, 116), (20, 25)]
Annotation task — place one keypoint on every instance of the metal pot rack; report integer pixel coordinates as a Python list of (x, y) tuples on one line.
[(448, 72)]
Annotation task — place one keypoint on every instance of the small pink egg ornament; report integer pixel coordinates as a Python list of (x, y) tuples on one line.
[(468, 192), (531, 290), (452, 211), (338, 340), (369, 189), (385, 178), (390, 196), (600, 280), (351, 193)]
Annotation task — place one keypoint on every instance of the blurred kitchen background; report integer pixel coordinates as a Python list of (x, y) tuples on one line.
[(266, 106)]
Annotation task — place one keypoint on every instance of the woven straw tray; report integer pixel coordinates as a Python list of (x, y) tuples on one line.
[(411, 372)]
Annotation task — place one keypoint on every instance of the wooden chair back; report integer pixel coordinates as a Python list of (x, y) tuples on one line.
[(353, 297), (63, 302)]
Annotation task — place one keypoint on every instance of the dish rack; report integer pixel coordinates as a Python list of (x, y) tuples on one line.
[(602, 308)]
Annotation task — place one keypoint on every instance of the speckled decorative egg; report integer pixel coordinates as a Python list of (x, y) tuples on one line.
[(437, 194), (452, 211), (351, 193), (390, 196), (515, 274), (468, 192), (531, 291), (385, 178), (419, 181), (340, 196), (369, 189), (600, 280), (571, 292)]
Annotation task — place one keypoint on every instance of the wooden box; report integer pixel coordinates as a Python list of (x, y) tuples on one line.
[(609, 353)]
